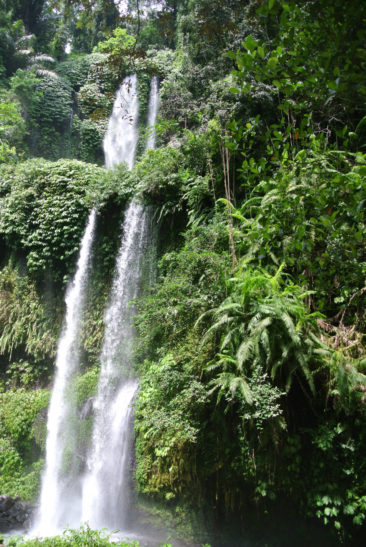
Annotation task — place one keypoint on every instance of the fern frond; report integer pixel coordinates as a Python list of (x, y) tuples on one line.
[(246, 349), (48, 73), (239, 384), (291, 329), (266, 345), (227, 340), (42, 59)]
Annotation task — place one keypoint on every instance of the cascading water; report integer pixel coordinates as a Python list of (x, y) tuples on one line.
[(56, 503), (153, 110), (121, 137), (105, 488), (102, 497), (105, 497)]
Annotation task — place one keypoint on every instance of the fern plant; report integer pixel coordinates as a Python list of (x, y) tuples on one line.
[(346, 373), (24, 322), (262, 325)]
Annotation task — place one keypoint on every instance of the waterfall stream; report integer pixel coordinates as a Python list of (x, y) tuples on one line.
[(153, 110), (122, 134), (106, 490), (56, 503), (102, 496)]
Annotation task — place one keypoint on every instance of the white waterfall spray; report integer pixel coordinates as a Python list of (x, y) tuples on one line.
[(102, 498), (105, 494), (153, 111), (105, 488), (56, 504), (121, 137)]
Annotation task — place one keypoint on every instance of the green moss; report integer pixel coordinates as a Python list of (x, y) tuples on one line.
[(91, 139), (20, 467), (86, 385)]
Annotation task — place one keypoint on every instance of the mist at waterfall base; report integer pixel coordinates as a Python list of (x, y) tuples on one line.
[(102, 496)]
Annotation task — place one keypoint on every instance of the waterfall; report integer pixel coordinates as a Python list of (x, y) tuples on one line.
[(106, 492), (102, 496), (105, 487), (153, 110), (56, 504), (121, 137)]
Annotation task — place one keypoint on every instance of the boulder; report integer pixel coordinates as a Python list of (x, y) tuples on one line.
[(5, 503), (13, 513)]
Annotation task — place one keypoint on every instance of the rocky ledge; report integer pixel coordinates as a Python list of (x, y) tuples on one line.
[(14, 513)]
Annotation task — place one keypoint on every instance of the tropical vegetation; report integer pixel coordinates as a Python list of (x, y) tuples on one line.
[(251, 343)]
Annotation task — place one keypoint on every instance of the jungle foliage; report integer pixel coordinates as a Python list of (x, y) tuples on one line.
[(251, 349), (269, 357), (83, 537)]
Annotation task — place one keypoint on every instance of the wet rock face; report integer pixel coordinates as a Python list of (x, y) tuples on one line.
[(13, 513), (87, 409)]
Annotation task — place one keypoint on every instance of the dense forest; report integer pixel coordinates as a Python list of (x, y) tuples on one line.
[(251, 413)]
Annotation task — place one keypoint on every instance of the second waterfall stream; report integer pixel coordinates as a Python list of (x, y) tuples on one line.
[(103, 493)]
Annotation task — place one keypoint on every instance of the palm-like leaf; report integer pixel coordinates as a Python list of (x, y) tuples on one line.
[(263, 323), (229, 386)]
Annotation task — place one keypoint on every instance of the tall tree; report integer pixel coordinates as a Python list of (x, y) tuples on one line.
[(29, 11)]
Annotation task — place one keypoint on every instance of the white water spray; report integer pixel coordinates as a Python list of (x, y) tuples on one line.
[(105, 488), (105, 493), (153, 111), (121, 137), (56, 504), (103, 498)]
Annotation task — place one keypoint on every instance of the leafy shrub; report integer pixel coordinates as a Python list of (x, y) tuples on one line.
[(160, 175), (170, 177), (175, 97), (10, 461), (20, 472), (173, 399), (167, 425), (19, 409), (86, 385), (190, 286), (92, 102), (101, 73), (44, 209), (26, 324), (55, 106), (91, 138), (76, 70), (310, 215), (11, 129), (84, 537), (46, 100)]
